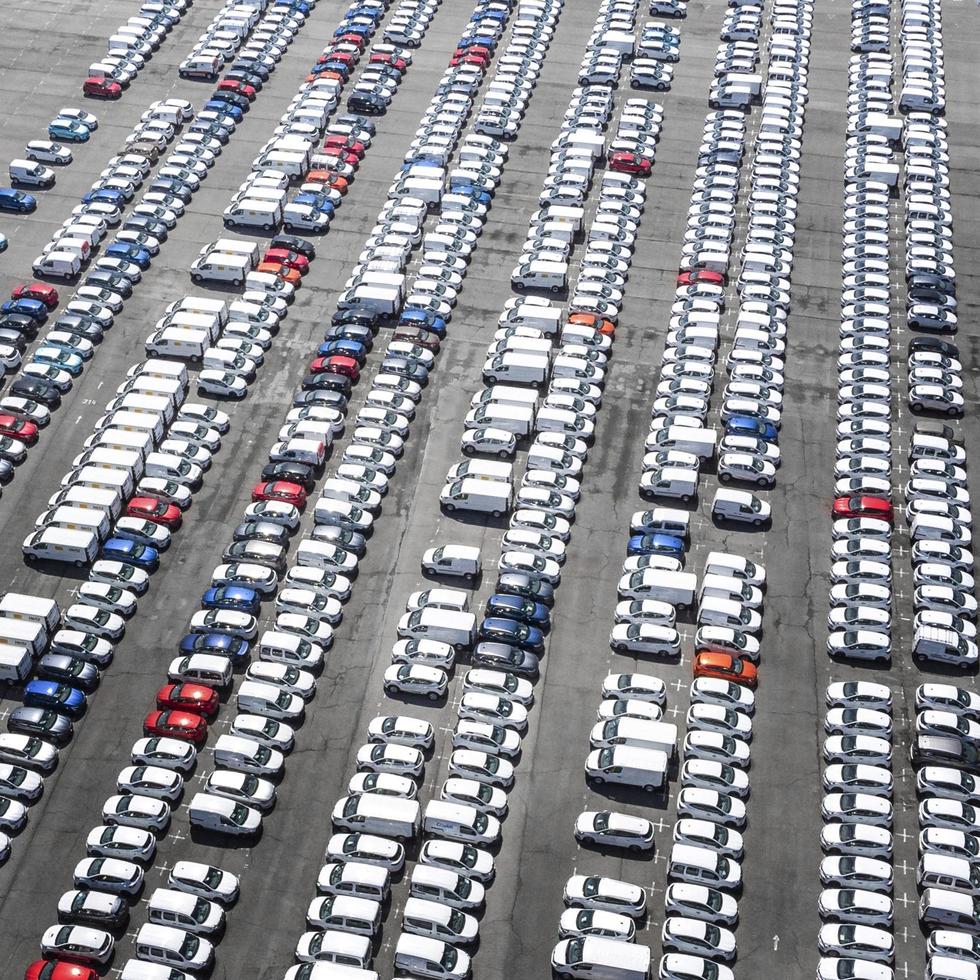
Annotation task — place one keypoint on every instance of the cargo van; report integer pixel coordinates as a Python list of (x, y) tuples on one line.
[(458, 822), (155, 367), (113, 438), (30, 174), (676, 482), (145, 384), (425, 957), (597, 958), (132, 421), (101, 477), (179, 342), (481, 495), (510, 366), (371, 813), (76, 519), (547, 319), (218, 359), (700, 866), (114, 459), (629, 765), (26, 633), (940, 908), (952, 873), (58, 264), (174, 947), (250, 212), (735, 566), (539, 274), (108, 502), (944, 646), (59, 544), (220, 267), (727, 612), (458, 629), (383, 302), (186, 320), (510, 418), (677, 588), (16, 662), (293, 165), (447, 887), (360, 916), (635, 733), (31, 609), (202, 305), (700, 442)]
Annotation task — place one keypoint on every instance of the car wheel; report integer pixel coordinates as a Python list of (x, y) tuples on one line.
[(953, 413), (599, 780), (556, 289), (765, 484), (757, 522), (620, 648), (496, 513), (433, 695), (724, 478), (450, 508), (468, 576), (648, 788), (685, 498), (391, 691), (502, 455), (916, 408), (635, 85), (196, 277), (634, 847)]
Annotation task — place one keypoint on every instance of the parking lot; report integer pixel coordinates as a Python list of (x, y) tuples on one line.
[(44, 64)]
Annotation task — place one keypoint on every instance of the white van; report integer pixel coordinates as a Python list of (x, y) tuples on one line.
[(512, 395), (155, 367), (729, 587), (288, 648), (596, 958), (223, 816), (101, 477), (220, 267), (140, 443), (637, 733), (741, 506), (250, 212), (458, 629), (144, 384), (735, 566), (547, 319), (31, 174), (76, 519), (293, 165), (441, 885), (217, 359), (481, 495), (511, 366), (632, 766), (700, 866), (202, 305), (948, 968), (944, 646), (677, 588), (459, 822), (510, 418), (179, 342), (371, 813), (169, 907), (700, 442), (244, 755), (108, 502), (31, 609), (339, 956), (674, 482), (482, 469), (454, 560), (131, 421), (728, 612), (187, 320), (174, 947), (58, 264), (539, 274), (421, 956), (115, 459)]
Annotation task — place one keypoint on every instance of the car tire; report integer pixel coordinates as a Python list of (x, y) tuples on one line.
[(757, 522), (724, 478), (648, 788), (502, 455), (197, 277), (433, 695), (450, 508), (496, 513), (620, 647), (391, 691), (468, 577)]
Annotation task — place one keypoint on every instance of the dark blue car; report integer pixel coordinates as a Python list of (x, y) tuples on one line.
[(132, 553), (237, 597), (226, 108), (130, 252), (459, 185), (655, 544), (58, 697), (105, 195), (743, 425), (495, 629), (18, 201), (347, 348), (218, 644), (33, 308), (321, 202), (515, 607), (425, 319)]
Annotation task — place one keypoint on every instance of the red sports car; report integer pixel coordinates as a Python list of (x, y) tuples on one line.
[(195, 698), (158, 511), (630, 163), (176, 724), (17, 428), (292, 260), (48, 295), (239, 88), (48, 970), (863, 507), (338, 364), (700, 275), (290, 493)]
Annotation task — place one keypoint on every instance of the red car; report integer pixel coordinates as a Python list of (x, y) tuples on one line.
[(342, 155), (341, 57), (724, 666), (102, 88), (389, 59), (239, 88), (176, 724), (195, 698), (17, 428), (48, 295), (863, 507), (328, 179), (630, 163), (158, 511), (291, 493), (345, 143), (356, 40), (292, 260), (338, 364), (47, 970), (469, 58), (700, 275)]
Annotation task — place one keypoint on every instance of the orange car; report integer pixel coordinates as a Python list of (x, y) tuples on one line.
[(282, 271), (329, 179), (604, 326), (725, 667)]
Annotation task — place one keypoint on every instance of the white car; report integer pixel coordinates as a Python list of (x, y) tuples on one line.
[(116, 573), (701, 902), (499, 682), (701, 774), (861, 808), (416, 679), (126, 843), (401, 730), (642, 687), (221, 383), (715, 718), (153, 781), (713, 690), (366, 849), (868, 874), (606, 894), (204, 881), (607, 828), (578, 922), (857, 840), (680, 966), (855, 906), (80, 943), (167, 753), (108, 875), (700, 938), (97, 622), (713, 747), (398, 760), (286, 677), (869, 749), (111, 598), (136, 811), (859, 694), (711, 835), (867, 942)]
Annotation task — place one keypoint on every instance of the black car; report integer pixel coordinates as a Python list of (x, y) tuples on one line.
[(69, 670), (294, 243), (352, 119), (6, 472), (934, 345), (248, 77), (13, 338), (350, 541), (232, 98), (261, 531), (37, 389), (373, 105), (42, 722), (328, 399), (251, 65), (503, 656), (221, 133), (170, 185), (20, 322), (517, 583), (299, 473), (144, 223), (326, 381), (96, 908), (371, 320)]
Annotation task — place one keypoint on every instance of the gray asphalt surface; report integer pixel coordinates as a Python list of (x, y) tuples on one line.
[(779, 921)]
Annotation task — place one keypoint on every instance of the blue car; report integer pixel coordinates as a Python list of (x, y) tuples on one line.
[(33, 308), (516, 607), (68, 131), (655, 544), (321, 202), (105, 195), (461, 186), (130, 252), (348, 348), (132, 553), (743, 425), (237, 597), (59, 697), (16, 201), (219, 644), (425, 319), (495, 629), (219, 105), (61, 359)]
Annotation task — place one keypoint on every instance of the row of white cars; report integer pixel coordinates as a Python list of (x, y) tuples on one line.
[(222, 39)]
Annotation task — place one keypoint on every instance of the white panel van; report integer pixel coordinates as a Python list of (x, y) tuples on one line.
[(60, 544)]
